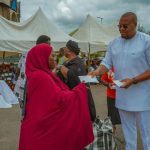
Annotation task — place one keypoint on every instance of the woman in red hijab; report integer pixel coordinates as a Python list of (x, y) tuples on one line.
[(57, 118)]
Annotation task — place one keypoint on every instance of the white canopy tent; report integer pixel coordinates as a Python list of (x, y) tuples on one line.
[(111, 30), (20, 37), (97, 35)]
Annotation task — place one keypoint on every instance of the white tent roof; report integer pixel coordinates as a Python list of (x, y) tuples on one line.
[(22, 36), (96, 34), (111, 30)]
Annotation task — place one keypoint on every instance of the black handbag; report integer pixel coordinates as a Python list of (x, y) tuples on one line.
[(91, 103)]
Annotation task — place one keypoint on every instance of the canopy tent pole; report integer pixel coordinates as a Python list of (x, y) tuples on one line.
[(89, 52), (3, 56)]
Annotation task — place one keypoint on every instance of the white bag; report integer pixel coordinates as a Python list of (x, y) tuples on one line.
[(104, 139)]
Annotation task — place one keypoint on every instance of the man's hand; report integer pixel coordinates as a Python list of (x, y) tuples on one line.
[(99, 71), (94, 73), (127, 83)]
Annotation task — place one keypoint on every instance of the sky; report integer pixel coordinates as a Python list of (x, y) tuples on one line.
[(70, 14)]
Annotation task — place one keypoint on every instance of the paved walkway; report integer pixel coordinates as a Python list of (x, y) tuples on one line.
[(10, 121), (99, 94)]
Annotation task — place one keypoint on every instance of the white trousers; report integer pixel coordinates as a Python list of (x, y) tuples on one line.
[(129, 121)]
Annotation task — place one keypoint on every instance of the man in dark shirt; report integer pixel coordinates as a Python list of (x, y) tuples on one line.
[(73, 68)]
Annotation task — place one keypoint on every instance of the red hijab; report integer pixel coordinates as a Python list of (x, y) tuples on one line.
[(56, 118)]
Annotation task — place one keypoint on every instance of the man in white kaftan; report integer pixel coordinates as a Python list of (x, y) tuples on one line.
[(130, 56)]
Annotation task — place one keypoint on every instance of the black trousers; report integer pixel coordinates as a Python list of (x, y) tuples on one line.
[(113, 111)]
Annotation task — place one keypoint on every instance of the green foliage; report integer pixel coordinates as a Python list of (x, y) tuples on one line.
[(98, 54), (141, 29)]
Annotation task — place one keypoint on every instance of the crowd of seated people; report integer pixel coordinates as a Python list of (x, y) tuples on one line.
[(9, 74)]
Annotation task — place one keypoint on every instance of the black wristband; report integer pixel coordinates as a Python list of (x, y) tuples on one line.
[(135, 81)]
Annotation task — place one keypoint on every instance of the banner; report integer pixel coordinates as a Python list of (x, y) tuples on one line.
[(13, 5)]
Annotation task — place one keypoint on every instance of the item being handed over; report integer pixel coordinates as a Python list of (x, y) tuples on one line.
[(118, 83), (88, 79), (125, 83)]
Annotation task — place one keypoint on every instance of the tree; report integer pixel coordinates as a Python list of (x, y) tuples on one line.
[(141, 29)]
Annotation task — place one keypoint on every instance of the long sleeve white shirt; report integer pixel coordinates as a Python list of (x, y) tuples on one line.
[(130, 57)]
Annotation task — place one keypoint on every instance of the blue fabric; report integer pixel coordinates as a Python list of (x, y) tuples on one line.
[(130, 57), (129, 121)]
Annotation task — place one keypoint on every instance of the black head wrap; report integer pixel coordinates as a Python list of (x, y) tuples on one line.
[(43, 39), (73, 46)]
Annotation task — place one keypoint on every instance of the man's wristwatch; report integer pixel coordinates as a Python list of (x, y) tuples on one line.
[(135, 81)]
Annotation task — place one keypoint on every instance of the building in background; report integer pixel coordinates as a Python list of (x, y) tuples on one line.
[(10, 9)]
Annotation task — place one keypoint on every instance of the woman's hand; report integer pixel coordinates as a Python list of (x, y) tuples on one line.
[(64, 71)]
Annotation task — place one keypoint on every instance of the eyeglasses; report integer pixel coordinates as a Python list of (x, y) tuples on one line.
[(123, 26)]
